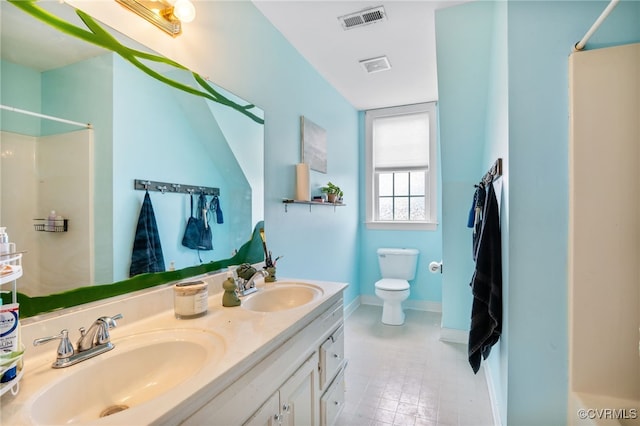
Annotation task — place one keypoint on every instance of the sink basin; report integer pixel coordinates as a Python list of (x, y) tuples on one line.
[(140, 367), (282, 297)]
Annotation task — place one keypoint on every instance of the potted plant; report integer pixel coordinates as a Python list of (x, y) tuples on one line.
[(334, 193)]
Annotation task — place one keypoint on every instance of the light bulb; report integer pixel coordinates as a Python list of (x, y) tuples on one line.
[(184, 10)]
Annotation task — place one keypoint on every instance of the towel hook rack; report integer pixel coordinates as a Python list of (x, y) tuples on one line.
[(494, 172), (178, 188)]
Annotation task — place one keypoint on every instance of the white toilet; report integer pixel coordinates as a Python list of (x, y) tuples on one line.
[(397, 267)]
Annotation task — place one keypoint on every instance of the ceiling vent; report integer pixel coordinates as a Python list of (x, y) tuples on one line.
[(376, 64), (364, 17)]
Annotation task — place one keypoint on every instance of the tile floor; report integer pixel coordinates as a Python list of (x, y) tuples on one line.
[(406, 376)]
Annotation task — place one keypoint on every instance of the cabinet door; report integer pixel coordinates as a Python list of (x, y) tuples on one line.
[(298, 401), (268, 414)]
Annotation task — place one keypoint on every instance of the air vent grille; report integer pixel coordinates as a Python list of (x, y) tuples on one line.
[(376, 64), (364, 17)]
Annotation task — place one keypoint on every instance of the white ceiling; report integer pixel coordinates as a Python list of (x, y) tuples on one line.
[(21, 36), (406, 37)]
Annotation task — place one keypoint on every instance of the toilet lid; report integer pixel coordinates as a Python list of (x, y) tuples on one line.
[(392, 284)]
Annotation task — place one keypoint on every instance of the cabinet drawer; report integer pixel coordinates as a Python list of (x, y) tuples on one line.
[(331, 356), (332, 402)]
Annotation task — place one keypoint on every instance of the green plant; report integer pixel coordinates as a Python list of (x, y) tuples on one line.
[(332, 189)]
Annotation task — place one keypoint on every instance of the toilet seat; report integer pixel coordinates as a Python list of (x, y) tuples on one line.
[(392, 284)]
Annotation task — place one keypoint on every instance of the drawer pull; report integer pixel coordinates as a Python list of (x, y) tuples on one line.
[(286, 408), (336, 402), (336, 356)]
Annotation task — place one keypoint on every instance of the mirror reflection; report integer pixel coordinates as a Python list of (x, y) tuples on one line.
[(140, 128)]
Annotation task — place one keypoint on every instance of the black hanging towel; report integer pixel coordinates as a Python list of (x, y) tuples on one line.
[(147, 251), (486, 284)]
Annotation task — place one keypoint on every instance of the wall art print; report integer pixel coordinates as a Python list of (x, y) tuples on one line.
[(314, 145)]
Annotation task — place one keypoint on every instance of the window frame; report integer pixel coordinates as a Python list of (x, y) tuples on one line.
[(371, 193)]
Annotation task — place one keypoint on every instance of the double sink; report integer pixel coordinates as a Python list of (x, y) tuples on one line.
[(148, 365)]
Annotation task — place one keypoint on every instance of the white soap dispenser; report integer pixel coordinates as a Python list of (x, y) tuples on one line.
[(4, 241)]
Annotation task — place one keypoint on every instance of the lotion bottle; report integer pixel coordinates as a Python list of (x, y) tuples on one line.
[(4, 241), (51, 221)]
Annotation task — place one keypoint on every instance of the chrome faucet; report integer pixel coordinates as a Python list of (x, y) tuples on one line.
[(98, 333), (93, 342), (246, 287)]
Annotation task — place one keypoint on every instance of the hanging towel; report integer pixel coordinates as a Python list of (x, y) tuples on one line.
[(214, 206), (191, 238), (486, 284), (147, 250), (477, 210), (206, 239)]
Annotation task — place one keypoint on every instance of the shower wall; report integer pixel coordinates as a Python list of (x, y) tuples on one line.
[(604, 230), (40, 174)]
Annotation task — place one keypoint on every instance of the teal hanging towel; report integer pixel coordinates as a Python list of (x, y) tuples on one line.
[(147, 251)]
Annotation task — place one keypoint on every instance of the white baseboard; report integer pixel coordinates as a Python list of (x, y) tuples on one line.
[(493, 398), (419, 305), (454, 335), (351, 307)]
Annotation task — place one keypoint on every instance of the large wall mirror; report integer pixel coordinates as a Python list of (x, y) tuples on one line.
[(141, 127)]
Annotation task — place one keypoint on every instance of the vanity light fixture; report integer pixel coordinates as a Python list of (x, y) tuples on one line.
[(168, 15)]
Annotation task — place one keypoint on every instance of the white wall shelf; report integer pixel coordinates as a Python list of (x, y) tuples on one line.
[(288, 201)]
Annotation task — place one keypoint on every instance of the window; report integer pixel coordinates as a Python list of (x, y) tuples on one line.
[(401, 159)]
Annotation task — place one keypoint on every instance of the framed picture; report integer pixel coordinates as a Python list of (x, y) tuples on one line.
[(314, 145)]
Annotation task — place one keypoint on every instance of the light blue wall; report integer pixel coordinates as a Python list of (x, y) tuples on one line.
[(165, 135), (529, 369), (538, 137), (497, 145), (463, 72), (20, 88), (258, 64)]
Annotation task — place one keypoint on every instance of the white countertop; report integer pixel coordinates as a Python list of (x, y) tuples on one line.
[(248, 337)]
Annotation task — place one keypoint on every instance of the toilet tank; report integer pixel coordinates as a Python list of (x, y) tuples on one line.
[(398, 263)]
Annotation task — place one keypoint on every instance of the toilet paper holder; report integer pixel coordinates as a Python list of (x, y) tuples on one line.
[(435, 267)]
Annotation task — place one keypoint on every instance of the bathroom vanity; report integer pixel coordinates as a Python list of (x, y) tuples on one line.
[(277, 359)]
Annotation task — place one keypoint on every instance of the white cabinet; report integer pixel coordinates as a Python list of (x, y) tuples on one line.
[(283, 388), (298, 395), (268, 414), (295, 403)]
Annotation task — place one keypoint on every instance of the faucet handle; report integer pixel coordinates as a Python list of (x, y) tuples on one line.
[(65, 348), (102, 336), (111, 321)]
